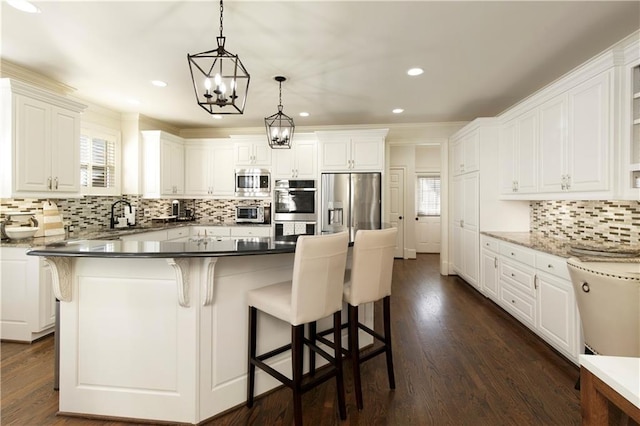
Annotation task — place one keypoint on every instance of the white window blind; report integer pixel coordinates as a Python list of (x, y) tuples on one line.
[(97, 162), (428, 195)]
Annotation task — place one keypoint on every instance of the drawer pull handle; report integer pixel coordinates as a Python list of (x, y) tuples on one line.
[(585, 287), (513, 275), (513, 301), (550, 266), (513, 254)]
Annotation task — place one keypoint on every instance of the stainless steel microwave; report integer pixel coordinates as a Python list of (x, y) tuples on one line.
[(250, 214), (253, 183)]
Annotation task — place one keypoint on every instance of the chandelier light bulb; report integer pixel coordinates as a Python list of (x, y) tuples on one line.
[(217, 79)]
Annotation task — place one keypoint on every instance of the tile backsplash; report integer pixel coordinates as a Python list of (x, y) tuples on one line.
[(93, 212), (588, 221)]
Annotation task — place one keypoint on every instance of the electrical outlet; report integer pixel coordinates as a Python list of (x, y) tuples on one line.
[(147, 212)]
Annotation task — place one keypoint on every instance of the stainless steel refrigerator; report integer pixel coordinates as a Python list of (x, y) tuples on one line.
[(350, 201)]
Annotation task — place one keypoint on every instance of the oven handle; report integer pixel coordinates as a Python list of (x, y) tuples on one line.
[(295, 189)]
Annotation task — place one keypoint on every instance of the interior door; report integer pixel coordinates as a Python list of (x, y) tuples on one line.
[(396, 207)]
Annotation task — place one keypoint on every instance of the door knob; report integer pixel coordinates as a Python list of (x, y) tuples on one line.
[(399, 217), (416, 218)]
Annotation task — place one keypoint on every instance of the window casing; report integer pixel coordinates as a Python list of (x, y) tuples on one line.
[(428, 195), (100, 166)]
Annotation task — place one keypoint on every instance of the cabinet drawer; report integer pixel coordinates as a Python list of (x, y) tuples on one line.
[(489, 244), (518, 275), (210, 231), (518, 253), (553, 265), (251, 231), (520, 305)]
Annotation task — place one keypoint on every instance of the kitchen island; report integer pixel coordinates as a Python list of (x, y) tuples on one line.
[(157, 330)]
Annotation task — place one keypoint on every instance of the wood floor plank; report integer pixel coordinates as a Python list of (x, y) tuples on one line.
[(459, 360)]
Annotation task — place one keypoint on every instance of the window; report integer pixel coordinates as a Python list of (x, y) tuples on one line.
[(428, 195), (99, 163)]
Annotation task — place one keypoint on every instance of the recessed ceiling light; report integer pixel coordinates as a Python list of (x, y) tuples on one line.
[(415, 71), (217, 116), (398, 111), (24, 6), (158, 83), (304, 114)]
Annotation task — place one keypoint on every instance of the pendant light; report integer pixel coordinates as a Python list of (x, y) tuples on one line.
[(220, 81), (279, 126)]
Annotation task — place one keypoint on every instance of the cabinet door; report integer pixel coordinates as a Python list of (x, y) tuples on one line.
[(526, 155), (471, 255), (457, 156), (284, 163), (262, 154), (335, 154), (244, 153), (470, 146), (470, 201), (367, 153), (172, 170), (306, 159), (556, 312), (222, 170), (489, 274), (196, 173), (506, 157), (33, 145), (553, 141), (588, 141), (47, 317)]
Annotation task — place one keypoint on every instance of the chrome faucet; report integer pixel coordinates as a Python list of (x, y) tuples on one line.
[(112, 222)]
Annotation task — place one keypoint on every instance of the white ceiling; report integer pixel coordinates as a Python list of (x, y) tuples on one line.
[(345, 61)]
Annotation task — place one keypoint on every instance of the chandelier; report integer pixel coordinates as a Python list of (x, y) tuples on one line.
[(279, 126), (220, 81)]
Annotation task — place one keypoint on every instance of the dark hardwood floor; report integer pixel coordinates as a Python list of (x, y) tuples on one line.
[(459, 360)]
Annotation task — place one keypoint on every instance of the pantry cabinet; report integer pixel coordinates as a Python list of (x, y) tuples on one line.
[(163, 165), (209, 167), (352, 151), (466, 256), (299, 162), (40, 142), (26, 296)]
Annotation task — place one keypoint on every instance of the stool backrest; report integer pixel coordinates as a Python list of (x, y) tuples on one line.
[(372, 265), (318, 276), (609, 306)]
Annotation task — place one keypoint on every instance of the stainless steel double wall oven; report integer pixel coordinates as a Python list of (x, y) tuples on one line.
[(295, 208)]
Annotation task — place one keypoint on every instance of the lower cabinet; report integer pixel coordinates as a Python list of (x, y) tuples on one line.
[(28, 309), (536, 289)]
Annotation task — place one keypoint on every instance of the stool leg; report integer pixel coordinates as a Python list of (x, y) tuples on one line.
[(297, 338), (354, 353), (251, 371), (337, 345), (312, 355), (387, 340)]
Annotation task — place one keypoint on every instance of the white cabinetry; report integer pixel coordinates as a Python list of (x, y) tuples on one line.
[(27, 300), (250, 231), (352, 151), (163, 164), (40, 142), (629, 165), (465, 227), (489, 268), (465, 154), (535, 288), (209, 167), (517, 153), (299, 162), (252, 151)]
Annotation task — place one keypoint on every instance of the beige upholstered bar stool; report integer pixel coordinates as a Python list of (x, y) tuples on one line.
[(315, 292), (370, 281), (608, 298)]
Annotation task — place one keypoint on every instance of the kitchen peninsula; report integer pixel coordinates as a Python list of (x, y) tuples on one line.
[(156, 330)]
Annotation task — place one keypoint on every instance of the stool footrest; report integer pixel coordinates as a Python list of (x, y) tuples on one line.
[(372, 354), (274, 352)]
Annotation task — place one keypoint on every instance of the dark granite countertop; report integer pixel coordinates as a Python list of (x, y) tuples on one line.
[(195, 247), (562, 247)]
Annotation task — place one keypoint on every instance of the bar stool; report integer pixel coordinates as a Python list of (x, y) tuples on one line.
[(315, 292)]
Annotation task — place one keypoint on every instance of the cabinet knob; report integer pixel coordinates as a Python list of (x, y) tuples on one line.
[(416, 218)]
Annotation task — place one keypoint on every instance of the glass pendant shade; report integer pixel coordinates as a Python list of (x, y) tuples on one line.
[(220, 81), (279, 126)]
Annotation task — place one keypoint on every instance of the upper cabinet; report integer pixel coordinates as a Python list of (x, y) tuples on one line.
[(163, 166), (252, 151), (358, 150), (465, 154), (40, 142), (629, 167), (299, 162), (517, 154), (209, 167)]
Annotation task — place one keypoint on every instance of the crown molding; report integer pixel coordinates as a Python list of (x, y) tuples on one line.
[(26, 75)]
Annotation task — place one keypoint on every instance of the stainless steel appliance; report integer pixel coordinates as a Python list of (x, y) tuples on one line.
[(295, 200), (350, 201), (253, 183), (249, 214)]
